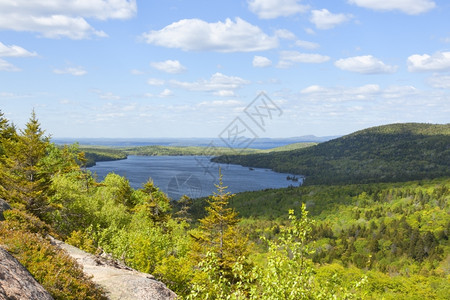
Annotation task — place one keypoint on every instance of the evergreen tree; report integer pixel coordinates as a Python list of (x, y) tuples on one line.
[(156, 203), (25, 182), (218, 233)]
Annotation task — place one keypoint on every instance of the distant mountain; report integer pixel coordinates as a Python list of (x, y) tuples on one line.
[(259, 143), (396, 152)]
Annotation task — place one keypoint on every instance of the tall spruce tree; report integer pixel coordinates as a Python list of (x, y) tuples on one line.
[(24, 181), (219, 234)]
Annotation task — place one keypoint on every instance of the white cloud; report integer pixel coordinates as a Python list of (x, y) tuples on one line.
[(288, 58), (14, 51), (198, 35), (261, 61), (440, 81), (155, 81), (163, 94), (220, 103), (62, 18), (75, 71), (410, 7), (399, 91), (169, 66), (438, 62), (366, 64), (219, 84), (6, 66), (285, 34), (368, 92), (313, 89), (310, 31), (166, 93), (270, 9), (324, 19), (307, 45), (225, 93)]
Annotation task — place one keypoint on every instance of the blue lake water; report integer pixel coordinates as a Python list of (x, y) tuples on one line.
[(194, 176)]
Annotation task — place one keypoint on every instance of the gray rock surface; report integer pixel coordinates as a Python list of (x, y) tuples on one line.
[(16, 282), (3, 206), (119, 281)]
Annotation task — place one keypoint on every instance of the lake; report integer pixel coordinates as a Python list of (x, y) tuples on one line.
[(193, 176)]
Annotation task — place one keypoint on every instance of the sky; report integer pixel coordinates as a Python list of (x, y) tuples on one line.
[(254, 68)]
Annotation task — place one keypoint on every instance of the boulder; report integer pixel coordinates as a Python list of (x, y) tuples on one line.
[(3, 206), (16, 282), (116, 279)]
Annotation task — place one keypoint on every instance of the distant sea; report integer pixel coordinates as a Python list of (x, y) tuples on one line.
[(260, 143)]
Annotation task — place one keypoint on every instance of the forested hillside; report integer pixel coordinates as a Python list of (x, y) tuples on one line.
[(390, 153), (359, 241)]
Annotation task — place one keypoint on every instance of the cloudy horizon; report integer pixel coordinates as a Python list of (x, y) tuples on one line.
[(151, 69)]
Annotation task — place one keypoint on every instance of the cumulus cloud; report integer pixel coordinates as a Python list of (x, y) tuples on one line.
[(271, 9), (219, 84), (62, 18), (6, 66), (165, 93), (75, 71), (307, 45), (285, 34), (440, 81), (198, 35), (410, 7), (169, 66), (366, 64), (438, 62), (14, 51), (324, 19), (288, 58), (261, 61)]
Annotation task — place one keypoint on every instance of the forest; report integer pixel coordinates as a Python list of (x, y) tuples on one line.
[(389, 153), (366, 239)]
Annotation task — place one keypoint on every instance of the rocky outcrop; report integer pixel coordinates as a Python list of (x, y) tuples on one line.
[(16, 282), (3, 206), (118, 280)]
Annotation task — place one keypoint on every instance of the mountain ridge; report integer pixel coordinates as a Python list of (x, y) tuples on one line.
[(387, 153)]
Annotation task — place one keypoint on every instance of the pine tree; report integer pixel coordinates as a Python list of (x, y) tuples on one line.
[(156, 203), (218, 233), (25, 182)]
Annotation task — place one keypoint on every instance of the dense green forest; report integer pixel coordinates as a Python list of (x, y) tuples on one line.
[(356, 241), (390, 153)]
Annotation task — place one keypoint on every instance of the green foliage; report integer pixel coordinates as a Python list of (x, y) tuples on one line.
[(61, 276), (363, 241), (391, 153), (24, 180), (288, 272), (218, 233)]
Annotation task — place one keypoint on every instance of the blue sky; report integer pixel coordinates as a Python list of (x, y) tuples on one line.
[(117, 68)]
